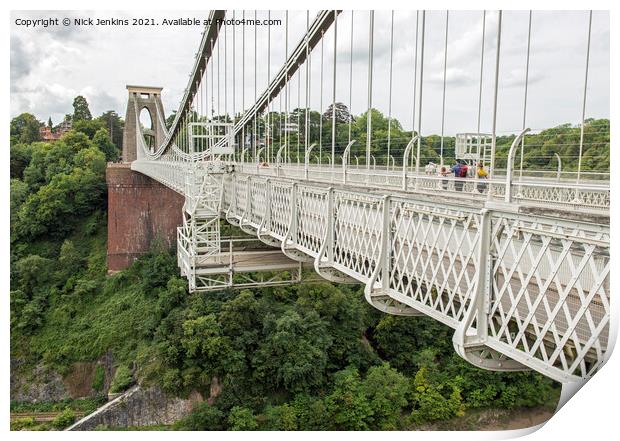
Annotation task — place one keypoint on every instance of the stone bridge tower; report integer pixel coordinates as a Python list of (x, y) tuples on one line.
[(148, 98), (140, 209)]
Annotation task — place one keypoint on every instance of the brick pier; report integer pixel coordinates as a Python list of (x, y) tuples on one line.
[(139, 211)]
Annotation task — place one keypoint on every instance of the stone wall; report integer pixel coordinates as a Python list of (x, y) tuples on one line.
[(37, 385), (139, 407), (139, 210)]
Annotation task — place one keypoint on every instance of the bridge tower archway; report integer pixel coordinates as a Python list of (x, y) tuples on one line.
[(142, 97)]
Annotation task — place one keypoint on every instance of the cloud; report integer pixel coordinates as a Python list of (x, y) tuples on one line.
[(49, 67)]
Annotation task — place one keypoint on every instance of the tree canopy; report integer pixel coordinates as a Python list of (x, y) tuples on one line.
[(80, 109)]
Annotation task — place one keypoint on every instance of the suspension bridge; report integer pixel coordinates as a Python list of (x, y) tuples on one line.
[(516, 262)]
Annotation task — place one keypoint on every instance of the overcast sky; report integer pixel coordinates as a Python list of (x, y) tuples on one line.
[(50, 66)]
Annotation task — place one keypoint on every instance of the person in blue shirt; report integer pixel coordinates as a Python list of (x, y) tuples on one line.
[(457, 170)]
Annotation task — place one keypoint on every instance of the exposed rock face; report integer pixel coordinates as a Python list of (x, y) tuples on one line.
[(139, 407), (40, 385)]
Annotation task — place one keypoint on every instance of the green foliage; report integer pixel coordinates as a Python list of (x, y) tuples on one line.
[(348, 405), (66, 181), (540, 148), (80, 109), (20, 156), (89, 127), (84, 405), (33, 274), (539, 152), (203, 340), (401, 340), (114, 125), (49, 210), (311, 413), (281, 417), (203, 417), (434, 402), (23, 423), (64, 419), (98, 378), (387, 391), (155, 269), (242, 418), (104, 143), (123, 378), (293, 354), (25, 129)]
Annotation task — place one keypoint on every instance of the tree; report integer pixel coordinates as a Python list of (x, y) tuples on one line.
[(203, 417), (103, 143), (114, 124), (342, 311), (433, 402), (80, 109), (203, 342), (20, 158), (19, 193), (25, 129), (34, 273), (241, 418), (311, 413), (170, 119), (88, 126), (281, 418), (123, 378), (401, 340), (293, 354), (70, 259), (347, 405), (386, 390), (342, 113), (67, 182), (49, 123), (64, 419)]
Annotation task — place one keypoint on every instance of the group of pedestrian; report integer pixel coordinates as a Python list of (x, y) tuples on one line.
[(461, 172)]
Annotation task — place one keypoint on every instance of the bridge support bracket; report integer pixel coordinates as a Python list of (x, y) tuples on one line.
[(377, 289), (471, 335)]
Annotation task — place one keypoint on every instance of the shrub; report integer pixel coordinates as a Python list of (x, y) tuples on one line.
[(241, 418), (203, 417), (430, 404), (281, 418), (122, 379), (64, 419), (99, 378), (348, 405), (386, 389), (22, 423)]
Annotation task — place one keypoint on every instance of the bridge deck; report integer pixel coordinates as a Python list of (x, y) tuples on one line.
[(246, 261)]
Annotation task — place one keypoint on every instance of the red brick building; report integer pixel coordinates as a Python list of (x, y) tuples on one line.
[(48, 134)]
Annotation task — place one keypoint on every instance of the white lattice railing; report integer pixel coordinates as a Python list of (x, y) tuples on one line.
[(547, 304), (588, 195)]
